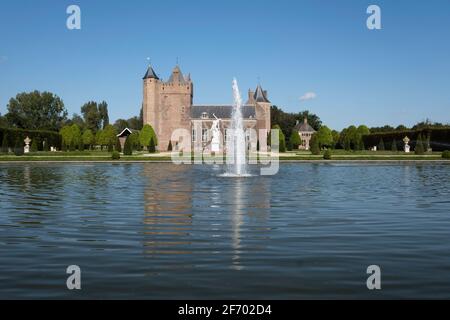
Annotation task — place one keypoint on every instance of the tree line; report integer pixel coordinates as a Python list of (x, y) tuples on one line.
[(46, 111)]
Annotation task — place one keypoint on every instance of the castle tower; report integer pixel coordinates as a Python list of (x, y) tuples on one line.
[(262, 108), (150, 104), (167, 105)]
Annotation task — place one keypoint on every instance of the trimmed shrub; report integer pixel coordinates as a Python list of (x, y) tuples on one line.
[(18, 147), (115, 155), (419, 146), (34, 145), (54, 138), (314, 145), (128, 147), (169, 148), (446, 154), (289, 145), (294, 139), (5, 146), (327, 154), (394, 146), (151, 147), (110, 147), (118, 146), (439, 138), (381, 145)]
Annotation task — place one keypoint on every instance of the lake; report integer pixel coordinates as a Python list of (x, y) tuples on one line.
[(161, 231)]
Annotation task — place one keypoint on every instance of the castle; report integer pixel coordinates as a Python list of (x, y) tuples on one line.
[(168, 105)]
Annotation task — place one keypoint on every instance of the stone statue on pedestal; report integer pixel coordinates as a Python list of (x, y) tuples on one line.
[(215, 132), (407, 147), (27, 141)]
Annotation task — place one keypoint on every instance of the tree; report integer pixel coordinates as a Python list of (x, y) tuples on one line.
[(118, 147), (361, 131), (103, 111), (66, 134), (81, 145), (134, 139), (287, 121), (121, 124), (401, 128), (324, 137), (151, 147), (76, 119), (419, 146), (92, 116), (127, 148), (109, 135), (350, 138), (34, 145), (382, 129), (5, 146), (146, 134), (294, 140), (88, 138), (381, 145), (99, 139), (336, 136), (3, 122), (314, 145), (36, 111), (76, 135), (394, 146), (281, 139), (135, 123)]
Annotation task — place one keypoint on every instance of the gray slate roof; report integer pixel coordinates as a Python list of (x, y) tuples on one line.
[(221, 112), (177, 76), (304, 127), (150, 74), (259, 95)]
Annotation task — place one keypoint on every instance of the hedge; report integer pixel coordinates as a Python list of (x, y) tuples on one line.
[(12, 134), (439, 138)]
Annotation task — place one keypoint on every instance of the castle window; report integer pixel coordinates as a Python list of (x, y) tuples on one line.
[(193, 135), (204, 135), (205, 115)]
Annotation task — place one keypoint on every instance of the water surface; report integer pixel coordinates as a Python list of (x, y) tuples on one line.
[(161, 231)]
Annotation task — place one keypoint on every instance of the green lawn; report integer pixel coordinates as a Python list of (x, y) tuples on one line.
[(288, 156)]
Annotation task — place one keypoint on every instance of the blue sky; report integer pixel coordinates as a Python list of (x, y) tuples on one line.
[(397, 75)]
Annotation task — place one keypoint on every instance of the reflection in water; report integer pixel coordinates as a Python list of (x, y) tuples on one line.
[(249, 201), (168, 211), (237, 219), (176, 232)]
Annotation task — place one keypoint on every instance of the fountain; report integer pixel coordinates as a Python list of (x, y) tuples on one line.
[(236, 147)]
